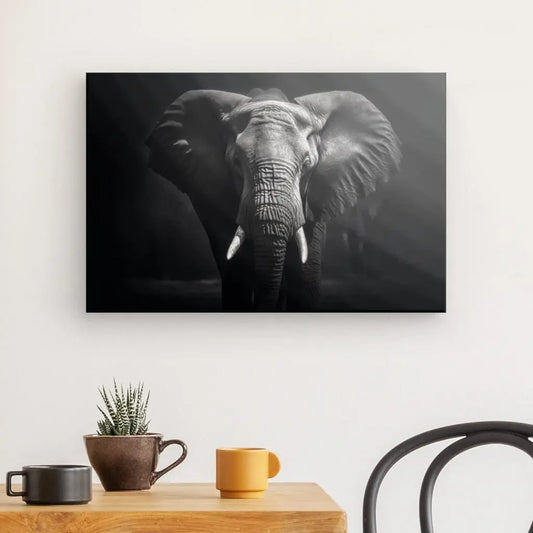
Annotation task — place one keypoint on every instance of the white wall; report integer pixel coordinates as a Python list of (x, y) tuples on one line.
[(329, 393)]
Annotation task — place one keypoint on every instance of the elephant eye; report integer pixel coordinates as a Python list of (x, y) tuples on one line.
[(239, 122), (237, 161)]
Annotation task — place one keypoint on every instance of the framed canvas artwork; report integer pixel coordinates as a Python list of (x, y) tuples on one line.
[(266, 192)]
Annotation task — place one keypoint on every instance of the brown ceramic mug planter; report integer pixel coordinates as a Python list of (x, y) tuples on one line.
[(129, 462)]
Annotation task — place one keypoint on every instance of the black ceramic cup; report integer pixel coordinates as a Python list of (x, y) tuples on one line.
[(52, 484)]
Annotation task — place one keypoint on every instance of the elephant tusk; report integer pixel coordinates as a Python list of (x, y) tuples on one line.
[(238, 239), (302, 244)]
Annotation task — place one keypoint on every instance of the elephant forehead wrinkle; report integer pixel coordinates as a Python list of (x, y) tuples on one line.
[(281, 120), (279, 167), (272, 105), (288, 113), (272, 161), (271, 110), (279, 175)]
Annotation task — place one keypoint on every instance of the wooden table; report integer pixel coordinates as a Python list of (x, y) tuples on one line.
[(180, 508)]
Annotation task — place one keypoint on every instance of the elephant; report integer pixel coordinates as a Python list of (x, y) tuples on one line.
[(265, 174)]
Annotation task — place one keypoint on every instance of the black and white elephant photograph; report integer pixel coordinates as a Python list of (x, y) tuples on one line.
[(266, 192)]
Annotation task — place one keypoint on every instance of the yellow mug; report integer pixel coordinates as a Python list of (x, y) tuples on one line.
[(244, 472)]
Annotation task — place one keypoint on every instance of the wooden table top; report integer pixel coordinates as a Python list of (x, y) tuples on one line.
[(180, 508)]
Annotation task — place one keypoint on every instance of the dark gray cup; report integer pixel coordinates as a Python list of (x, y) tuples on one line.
[(52, 484)]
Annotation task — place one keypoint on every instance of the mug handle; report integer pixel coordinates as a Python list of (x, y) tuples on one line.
[(162, 445), (9, 476), (274, 465)]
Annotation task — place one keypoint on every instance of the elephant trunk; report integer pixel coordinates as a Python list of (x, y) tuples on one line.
[(277, 214), (269, 260)]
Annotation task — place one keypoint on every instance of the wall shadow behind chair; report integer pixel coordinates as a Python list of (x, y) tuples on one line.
[(473, 434)]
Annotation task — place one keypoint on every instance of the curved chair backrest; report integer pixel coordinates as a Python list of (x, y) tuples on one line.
[(474, 434)]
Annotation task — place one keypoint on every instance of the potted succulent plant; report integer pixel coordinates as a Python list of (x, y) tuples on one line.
[(122, 452)]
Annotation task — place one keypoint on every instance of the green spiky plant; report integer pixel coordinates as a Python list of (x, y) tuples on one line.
[(126, 410)]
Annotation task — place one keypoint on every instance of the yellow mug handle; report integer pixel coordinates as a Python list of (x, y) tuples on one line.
[(274, 466)]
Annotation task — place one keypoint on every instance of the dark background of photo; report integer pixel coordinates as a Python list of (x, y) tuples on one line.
[(147, 251)]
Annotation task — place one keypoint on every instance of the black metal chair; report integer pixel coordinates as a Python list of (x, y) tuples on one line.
[(474, 434)]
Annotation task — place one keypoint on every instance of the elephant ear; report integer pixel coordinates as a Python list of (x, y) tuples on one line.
[(187, 145), (357, 149)]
